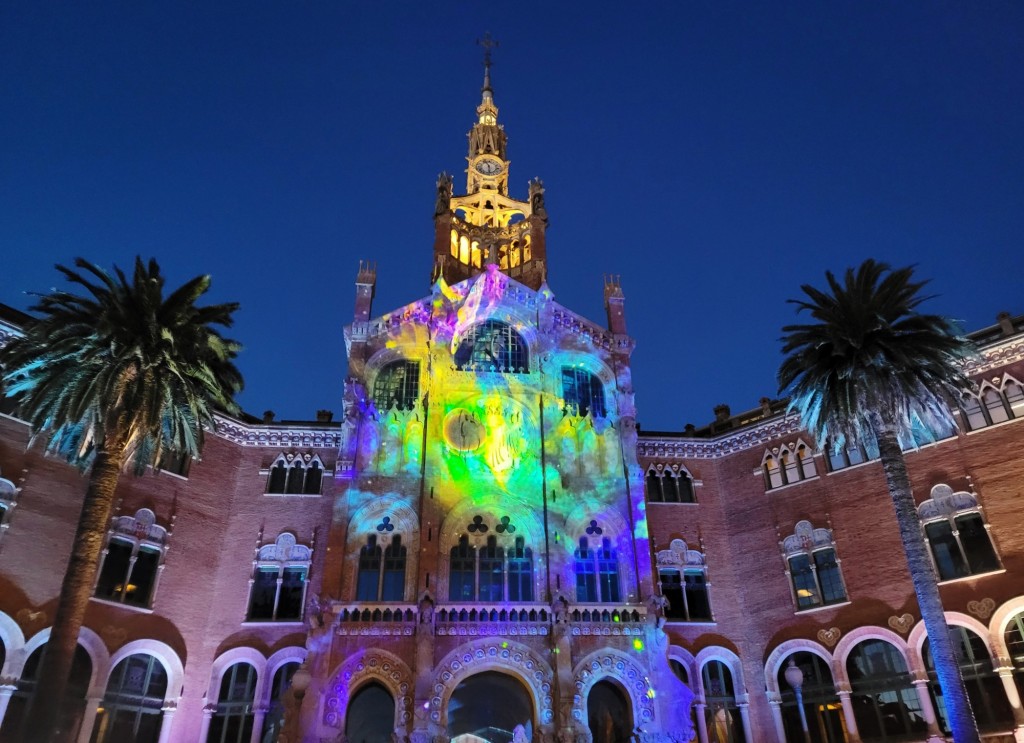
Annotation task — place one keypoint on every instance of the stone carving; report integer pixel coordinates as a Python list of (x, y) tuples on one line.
[(632, 676), (829, 637), (805, 537), (444, 194), (284, 549), (981, 609), (140, 526), (901, 624), (944, 502), (678, 555), (380, 665)]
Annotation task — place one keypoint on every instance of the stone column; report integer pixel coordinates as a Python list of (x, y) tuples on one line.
[(204, 730), (1005, 670), (702, 722), (92, 705), (168, 709), (8, 688), (745, 720), (780, 729), (927, 709), (851, 721), (259, 714)]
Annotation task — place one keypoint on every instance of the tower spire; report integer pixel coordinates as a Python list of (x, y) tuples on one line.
[(487, 43)]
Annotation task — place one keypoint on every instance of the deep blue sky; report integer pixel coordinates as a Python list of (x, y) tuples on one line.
[(715, 154)]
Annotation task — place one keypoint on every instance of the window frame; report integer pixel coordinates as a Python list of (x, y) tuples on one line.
[(947, 508), (473, 556), (600, 571), (809, 543), (517, 349), (391, 393), (141, 533), (283, 555), (290, 468)]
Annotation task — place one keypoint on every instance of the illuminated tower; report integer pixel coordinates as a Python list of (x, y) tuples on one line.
[(489, 534), (485, 225)]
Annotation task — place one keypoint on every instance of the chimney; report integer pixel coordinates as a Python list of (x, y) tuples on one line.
[(324, 416), (268, 416), (366, 287), (722, 413), (689, 429), (766, 406), (615, 303), (1006, 324)]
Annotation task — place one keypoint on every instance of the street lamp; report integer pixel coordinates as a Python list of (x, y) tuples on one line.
[(795, 678)]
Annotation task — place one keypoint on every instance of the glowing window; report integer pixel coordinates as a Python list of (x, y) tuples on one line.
[(492, 346), (131, 563), (583, 392), (397, 385)]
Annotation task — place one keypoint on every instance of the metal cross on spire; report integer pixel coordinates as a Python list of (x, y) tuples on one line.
[(487, 43)]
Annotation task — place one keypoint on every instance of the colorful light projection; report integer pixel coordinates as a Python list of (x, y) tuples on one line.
[(497, 437)]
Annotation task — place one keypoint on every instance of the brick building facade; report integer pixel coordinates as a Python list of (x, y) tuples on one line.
[(486, 547)]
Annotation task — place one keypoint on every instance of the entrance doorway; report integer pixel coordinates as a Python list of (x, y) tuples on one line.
[(609, 715), (487, 707), (371, 715)]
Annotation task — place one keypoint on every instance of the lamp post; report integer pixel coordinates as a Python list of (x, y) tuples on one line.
[(795, 678)]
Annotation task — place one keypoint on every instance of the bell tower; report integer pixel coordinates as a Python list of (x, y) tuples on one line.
[(485, 225)]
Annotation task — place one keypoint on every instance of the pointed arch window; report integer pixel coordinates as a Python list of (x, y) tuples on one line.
[(582, 392), (397, 385), (787, 465), (295, 474), (597, 572), (491, 571), (131, 564), (668, 485), (277, 589), (957, 534), (994, 404), (381, 573), (813, 568), (492, 346)]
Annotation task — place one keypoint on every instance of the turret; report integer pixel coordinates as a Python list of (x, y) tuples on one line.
[(366, 287), (615, 304)]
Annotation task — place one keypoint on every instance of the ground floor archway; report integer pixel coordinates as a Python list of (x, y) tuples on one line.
[(609, 715), (371, 715), (490, 706)]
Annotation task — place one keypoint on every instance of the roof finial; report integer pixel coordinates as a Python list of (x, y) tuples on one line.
[(487, 43)]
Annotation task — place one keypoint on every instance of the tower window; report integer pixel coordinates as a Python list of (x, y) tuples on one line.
[(492, 346), (397, 385), (583, 392)]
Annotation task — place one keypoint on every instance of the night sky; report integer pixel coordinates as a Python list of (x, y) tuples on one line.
[(716, 155)]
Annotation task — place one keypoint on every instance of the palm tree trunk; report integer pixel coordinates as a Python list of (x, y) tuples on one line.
[(922, 573), (43, 722)]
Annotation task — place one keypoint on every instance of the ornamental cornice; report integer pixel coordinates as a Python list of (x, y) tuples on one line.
[(670, 447), (996, 356), (277, 437)]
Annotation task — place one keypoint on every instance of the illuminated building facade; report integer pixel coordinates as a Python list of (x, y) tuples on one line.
[(485, 547)]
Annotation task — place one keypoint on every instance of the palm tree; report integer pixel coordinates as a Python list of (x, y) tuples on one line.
[(868, 369), (114, 377)]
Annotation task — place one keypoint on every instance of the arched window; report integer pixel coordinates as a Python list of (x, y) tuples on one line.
[(132, 708), (233, 719), (597, 572), (669, 486), (397, 385), (821, 704), (278, 587), (813, 567), (722, 715), (295, 474), (131, 564), (885, 704), (274, 720), (492, 346), (370, 715), (520, 572), (682, 573), (993, 405), (984, 688), (70, 711), (462, 578), (583, 392), (972, 412), (482, 573), (788, 465), (956, 534), (1014, 637), (381, 579)]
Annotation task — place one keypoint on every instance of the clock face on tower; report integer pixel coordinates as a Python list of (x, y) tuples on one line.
[(489, 167)]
